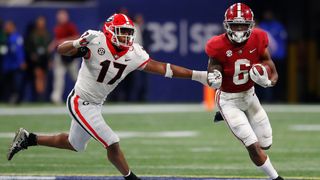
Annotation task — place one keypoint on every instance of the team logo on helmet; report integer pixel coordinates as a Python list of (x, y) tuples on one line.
[(110, 19)]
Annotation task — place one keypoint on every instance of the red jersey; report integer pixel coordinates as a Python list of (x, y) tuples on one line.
[(236, 60), (63, 31)]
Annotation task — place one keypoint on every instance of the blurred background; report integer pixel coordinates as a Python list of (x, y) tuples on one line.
[(171, 31)]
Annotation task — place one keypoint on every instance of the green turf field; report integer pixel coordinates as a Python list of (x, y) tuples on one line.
[(169, 143)]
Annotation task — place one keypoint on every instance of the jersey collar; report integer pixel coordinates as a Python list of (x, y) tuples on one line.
[(116, 54)]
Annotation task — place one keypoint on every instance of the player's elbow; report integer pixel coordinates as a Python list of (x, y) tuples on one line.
[(66, 50), (60, 49)]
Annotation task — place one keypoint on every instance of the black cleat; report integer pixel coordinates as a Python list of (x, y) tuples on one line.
[(19, 143), (278, 178), (218, 117), (132, 176)]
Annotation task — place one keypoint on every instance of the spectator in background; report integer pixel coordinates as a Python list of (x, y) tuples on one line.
[(37, 48), (64, 30), (139, 84), (3, 51), (13, 64), (277, 35)]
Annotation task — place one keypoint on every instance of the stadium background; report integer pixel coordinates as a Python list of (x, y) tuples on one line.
[(173, 139), (178, 32)]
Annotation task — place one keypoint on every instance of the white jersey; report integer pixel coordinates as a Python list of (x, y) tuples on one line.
[(104, 69)]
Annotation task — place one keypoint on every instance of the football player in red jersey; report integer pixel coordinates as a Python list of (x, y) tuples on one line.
[(231, 56)]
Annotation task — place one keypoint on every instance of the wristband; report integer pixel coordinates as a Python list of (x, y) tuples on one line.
[(76, 43), (169, 72)]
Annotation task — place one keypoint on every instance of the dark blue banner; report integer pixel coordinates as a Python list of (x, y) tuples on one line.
[(177, 30)]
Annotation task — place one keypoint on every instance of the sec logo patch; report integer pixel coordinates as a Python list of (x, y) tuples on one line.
[(229, 53), (101, 51)]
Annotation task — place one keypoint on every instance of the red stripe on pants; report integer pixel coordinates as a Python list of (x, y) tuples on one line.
[(76, 106)]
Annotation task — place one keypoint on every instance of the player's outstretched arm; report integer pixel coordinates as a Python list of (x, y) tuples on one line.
[(174, 71)]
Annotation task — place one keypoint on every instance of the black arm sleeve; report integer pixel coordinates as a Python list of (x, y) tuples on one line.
[(82, 51)]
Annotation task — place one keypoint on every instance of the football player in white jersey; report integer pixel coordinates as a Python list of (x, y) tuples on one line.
[(108, 57)]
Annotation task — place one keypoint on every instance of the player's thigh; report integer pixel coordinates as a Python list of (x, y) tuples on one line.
[(78, 136), (90, 118), (260, 122), (237, 122)]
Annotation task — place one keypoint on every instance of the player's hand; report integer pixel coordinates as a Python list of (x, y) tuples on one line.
[(215, 79), (84, 40), (263, 79)]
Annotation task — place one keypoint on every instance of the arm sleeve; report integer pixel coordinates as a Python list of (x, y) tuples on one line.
[(210, 48), (264, 42), (82, 51), (143, 56)]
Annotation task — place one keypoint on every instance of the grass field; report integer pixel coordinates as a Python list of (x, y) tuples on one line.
[(166, 140)]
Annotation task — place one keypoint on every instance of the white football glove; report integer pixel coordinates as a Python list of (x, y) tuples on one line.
[(262, 80), (200, 76), (84, 40), (215, 79)]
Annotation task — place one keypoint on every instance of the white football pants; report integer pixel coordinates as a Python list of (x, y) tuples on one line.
[(87, 122), (245, 117)]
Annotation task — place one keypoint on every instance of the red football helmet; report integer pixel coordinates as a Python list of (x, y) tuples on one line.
[(238, 22), (120, 30)]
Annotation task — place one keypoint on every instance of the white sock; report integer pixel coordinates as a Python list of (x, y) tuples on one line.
[(268, 169)]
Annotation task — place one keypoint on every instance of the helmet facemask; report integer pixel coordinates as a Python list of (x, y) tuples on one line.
[(122, 36), (120, 30), (238, 30)]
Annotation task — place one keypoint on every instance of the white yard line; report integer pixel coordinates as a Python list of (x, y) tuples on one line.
[(107, 109), (27, 177), (146, 108), (305, 127), (132, 134)]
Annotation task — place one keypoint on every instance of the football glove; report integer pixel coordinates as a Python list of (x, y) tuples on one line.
[(84, 40), (215, 79), (263, 79)]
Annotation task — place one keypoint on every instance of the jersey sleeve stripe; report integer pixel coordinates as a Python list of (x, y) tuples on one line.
[(85, 122), (144, 63)]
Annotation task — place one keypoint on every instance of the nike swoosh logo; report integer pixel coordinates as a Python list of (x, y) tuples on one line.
[(127, 60), (251, 51)]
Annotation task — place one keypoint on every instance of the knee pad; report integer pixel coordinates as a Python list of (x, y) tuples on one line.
[(245, 134), (265, 142)]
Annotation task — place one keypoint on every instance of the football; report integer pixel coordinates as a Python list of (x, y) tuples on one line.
[(259, 67)]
